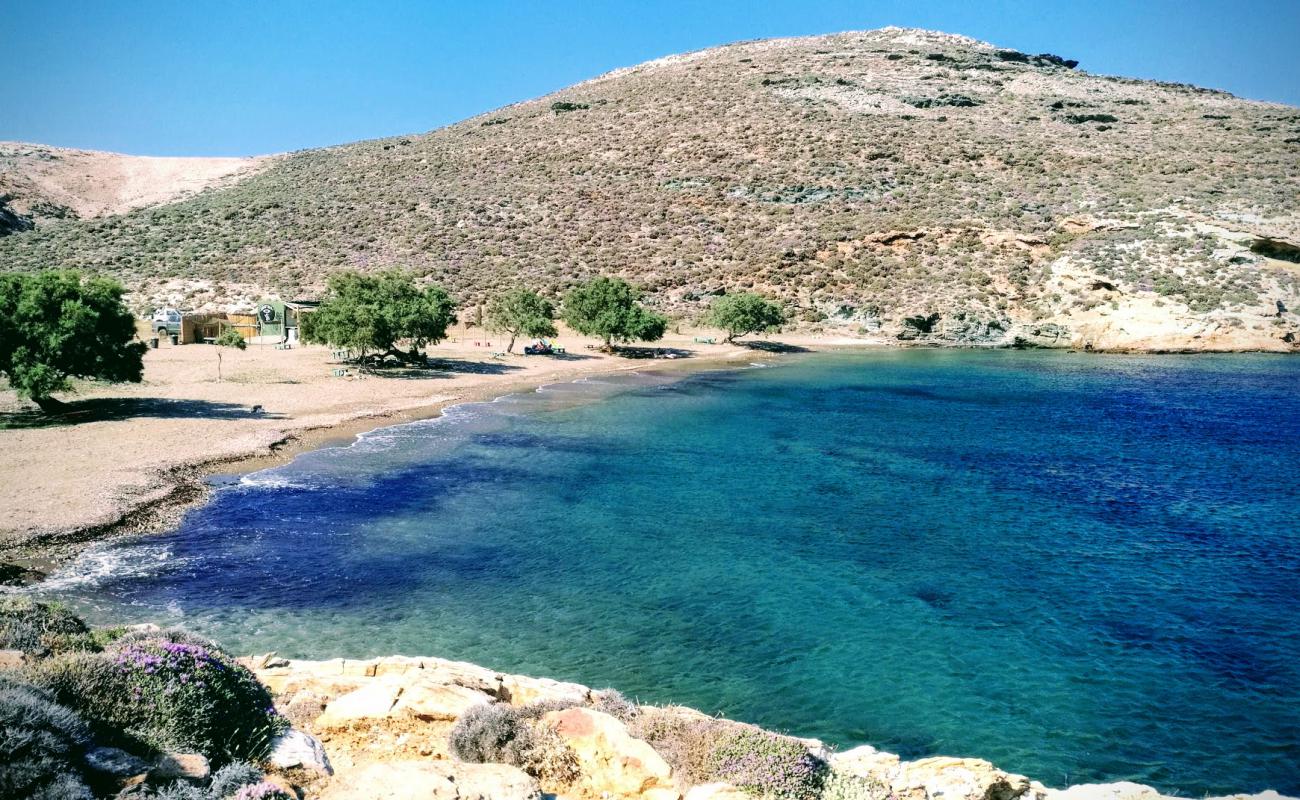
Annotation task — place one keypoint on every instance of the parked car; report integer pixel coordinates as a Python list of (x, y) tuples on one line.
[(167, 322)]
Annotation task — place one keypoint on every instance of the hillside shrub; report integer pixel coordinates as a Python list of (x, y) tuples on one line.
[(39, 628), (234, 776), (262, 791), (503, 734), (767, 764), (169, 691), (842, 786), (613, 703), (41, 745), (705, 750)]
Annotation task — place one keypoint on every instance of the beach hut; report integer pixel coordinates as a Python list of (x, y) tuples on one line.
[(279, 320)]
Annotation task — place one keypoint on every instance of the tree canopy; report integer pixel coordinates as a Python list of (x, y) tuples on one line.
[(610, 308), (57, 325), (521, 312), (744, 313), (371, 313)]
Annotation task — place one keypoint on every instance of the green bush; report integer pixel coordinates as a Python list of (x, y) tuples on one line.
[(168, 691), (39, 629), (232, 338), (41, 745)]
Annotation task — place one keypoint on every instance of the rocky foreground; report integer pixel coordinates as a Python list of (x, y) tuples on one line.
[(383, 728)]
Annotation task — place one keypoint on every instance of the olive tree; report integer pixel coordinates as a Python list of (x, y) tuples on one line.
[(521, 312), (744, 313), (609, 308), (57, 325), (371, 313)]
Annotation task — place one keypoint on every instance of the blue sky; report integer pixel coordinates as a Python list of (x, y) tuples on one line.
[(240, 78)]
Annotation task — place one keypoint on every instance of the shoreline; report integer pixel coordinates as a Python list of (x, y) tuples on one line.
[(185, 486), (178, 488)]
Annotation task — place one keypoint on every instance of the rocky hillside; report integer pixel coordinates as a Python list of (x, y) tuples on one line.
[(40, 185), (898, 184)]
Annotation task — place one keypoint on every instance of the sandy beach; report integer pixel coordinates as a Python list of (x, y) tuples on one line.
[(131, 457)]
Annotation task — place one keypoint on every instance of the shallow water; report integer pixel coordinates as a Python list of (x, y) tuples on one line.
[(1082, 568)]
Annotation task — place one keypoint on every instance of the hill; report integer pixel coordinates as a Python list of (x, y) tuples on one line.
[(893, 183), (41, 184)]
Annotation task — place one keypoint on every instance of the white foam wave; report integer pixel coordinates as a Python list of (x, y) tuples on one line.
[(98, 564)]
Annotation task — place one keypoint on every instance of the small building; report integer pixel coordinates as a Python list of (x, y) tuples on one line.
[(279, 319)]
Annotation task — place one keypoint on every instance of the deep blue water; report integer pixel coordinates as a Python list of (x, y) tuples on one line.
[(1081, 568)]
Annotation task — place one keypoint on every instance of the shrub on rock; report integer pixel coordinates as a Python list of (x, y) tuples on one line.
[(168, 691), (234, 776), (502, 734), (766, 763), (704, 749), (41, 745), (39, 629)]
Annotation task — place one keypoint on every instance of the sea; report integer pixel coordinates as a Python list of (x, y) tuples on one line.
[(1080, 567)]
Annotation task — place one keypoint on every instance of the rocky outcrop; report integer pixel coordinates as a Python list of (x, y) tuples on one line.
[(384, 723), (613, 763), (433, 780)]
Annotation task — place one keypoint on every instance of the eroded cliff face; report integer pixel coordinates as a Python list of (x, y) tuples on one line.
[(385, 725)]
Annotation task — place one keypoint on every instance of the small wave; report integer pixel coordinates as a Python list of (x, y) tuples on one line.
[(262, 480), (95, 566)]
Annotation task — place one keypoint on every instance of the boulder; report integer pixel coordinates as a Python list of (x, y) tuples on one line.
[(374, 700), (427, 700), (614, 764), (192, 767), (717, 791), (954, 778), (433, 780), (865, 762), (293, 748), (12, 659), (114, 762), (518, 690), (1122, 790)]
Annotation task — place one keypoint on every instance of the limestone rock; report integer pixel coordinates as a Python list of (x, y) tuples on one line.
[(614, 764), (717, 791), (433, 780), (115, 762), (865, 762), (953, 778), (12, 659), (375, 700), (293, 748), (431, 701), (521, 691), (192, 767), (1122, 790)]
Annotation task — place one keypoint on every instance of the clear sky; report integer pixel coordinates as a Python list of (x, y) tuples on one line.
[(192, 77)]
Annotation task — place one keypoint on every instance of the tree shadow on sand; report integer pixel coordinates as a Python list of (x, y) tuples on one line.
[(653, 352), (118, 408), (772, 347)]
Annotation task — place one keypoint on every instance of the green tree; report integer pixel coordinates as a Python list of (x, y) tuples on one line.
[(609, 308), (744, 313), (57, 325), (521, 312), (371, 313), (232, 338)]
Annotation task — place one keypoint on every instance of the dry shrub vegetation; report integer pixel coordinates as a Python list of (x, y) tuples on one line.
[(787, 167)]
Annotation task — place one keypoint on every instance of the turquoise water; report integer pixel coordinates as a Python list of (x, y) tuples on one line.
[(1082, 568)]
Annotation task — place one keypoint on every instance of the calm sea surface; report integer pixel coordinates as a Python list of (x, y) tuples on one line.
[(1082, 568)]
